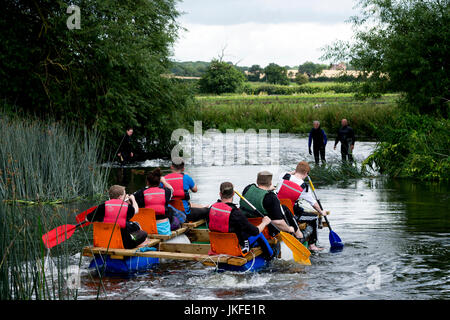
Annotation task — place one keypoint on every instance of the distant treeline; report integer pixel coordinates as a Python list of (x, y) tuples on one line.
[(199, 68)]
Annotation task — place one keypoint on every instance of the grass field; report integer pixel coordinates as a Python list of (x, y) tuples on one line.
[(293, 113)]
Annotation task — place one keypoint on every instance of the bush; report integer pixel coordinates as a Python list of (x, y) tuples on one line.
[(413, 147), (221, 77)]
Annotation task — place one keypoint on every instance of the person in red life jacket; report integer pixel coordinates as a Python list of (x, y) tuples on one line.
[(262, 197), (225, 216), (182, 184), (118, 210), (292, 186), (156, 197)]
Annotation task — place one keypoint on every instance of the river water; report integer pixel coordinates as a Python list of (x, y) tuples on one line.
[(396, 235)]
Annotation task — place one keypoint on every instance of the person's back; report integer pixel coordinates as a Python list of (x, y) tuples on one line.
[(262, 197), (118, 211), (224, 216), (155, 197), (292, 186), (182, 183)]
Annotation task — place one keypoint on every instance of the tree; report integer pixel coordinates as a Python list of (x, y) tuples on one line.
[(255, 72), (301, 78), (221, 77), (276, 74), (311, 68), (107, 74), (402, 46)]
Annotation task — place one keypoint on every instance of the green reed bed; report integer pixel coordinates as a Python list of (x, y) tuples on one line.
[(48, 162), (293, 114), (28, 271), (342, 172)]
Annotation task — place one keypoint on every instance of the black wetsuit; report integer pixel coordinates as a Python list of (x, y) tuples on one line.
[(346, 136), (318, 138), (125, 149)]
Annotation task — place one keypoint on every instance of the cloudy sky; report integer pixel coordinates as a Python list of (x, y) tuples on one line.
[(287, 32)]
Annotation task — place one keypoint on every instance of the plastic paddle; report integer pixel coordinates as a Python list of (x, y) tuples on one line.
[(300, 252), (82, 216), (335, 242), (62, 233), (59, 235)]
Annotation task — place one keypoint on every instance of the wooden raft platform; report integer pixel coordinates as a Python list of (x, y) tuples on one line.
[(176, 251)]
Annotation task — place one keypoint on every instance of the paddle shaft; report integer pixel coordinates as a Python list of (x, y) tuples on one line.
[(318, 201)]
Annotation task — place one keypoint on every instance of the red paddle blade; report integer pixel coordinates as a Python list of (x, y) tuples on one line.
[(58, 235), (81, 217)]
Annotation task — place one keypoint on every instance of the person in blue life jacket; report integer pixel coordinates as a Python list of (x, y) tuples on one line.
[(225, 216), (183, 184), (318, 139), (118, 210)]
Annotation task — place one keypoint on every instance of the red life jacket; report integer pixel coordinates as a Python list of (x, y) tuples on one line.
[(116, 209), (155, 198), (219, 217), (289, 190), (176, 181)]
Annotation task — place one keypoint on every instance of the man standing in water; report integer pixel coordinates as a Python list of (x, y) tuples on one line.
[(125, 153), (318, 138), (346, 136)]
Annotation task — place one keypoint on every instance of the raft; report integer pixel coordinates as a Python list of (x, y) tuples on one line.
[(120, 261), (220, 250)]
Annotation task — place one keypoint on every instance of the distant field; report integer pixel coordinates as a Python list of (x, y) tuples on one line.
[(293, 113)]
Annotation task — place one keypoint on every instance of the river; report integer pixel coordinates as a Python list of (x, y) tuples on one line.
[(396, 235)]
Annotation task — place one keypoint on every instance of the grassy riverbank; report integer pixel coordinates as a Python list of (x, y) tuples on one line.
[(292, 113)]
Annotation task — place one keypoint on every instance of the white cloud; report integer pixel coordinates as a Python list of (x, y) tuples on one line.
[(258, 43)]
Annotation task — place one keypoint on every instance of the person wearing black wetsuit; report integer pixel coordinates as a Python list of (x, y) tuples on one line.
[(318, 138), (125, 152), (346, 136)]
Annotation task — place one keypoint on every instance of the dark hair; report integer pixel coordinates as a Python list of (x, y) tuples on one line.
[(227, 189), (178, 163), (264, 178), (154, 178)]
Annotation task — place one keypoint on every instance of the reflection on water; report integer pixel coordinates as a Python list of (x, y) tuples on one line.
[(396, 236)]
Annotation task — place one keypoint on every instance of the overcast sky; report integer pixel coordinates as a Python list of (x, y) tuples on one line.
[(286, 32)]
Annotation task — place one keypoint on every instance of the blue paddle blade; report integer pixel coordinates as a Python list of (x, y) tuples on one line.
[(335, 241)]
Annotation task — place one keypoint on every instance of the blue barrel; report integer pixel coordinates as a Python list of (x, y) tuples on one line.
[(128, 265)]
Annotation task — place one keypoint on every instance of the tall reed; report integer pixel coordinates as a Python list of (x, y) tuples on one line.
[(46, 161), (28, 270)]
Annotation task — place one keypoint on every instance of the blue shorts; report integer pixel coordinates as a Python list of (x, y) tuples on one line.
[(163, 228)]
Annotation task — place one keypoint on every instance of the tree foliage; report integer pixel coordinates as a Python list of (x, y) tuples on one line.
[(311, 68), (106, 74), (276, 74), (402, 46), (221, 77)]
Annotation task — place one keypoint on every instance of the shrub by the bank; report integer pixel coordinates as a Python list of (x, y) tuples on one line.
[(413, 146)]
